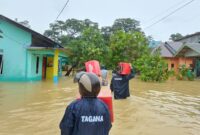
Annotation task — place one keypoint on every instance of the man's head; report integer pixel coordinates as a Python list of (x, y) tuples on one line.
[(118, 69), (89, 84)]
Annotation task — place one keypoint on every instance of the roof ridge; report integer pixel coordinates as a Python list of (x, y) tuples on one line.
[(170, 48)]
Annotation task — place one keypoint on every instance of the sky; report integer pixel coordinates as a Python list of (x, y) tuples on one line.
[(40, 13)]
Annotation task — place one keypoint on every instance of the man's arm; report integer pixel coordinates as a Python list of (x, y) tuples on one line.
[(131, 75)]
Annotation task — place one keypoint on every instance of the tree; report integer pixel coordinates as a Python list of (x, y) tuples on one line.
[(55, 31), (106, 33), (175, 37), (152, 68), (122, 42), (89, 46), (73, 27), (126, 25), (127, 47), (65, 32), (24, 23)]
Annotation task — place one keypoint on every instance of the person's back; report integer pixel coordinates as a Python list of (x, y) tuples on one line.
[(88, 115), (91, 117), (120, 85)]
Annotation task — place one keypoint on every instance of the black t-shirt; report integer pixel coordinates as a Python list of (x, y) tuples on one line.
[(120, 85)]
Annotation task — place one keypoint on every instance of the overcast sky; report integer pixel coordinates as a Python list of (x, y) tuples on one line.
[(40, 13)]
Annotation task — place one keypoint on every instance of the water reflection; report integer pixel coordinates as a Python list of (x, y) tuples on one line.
[(153, 109)]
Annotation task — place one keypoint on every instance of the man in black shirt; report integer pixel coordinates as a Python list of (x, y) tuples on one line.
[(120, 84)]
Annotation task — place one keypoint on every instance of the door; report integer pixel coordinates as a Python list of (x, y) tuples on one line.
[(197, 67)]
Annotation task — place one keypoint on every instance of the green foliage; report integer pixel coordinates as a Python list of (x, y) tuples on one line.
[(171, 73), (88, 47), (152, 68), (123, 41), (71, 29), (126, 25), (127, 47), (106, 33), (175, 37), (185, 73)]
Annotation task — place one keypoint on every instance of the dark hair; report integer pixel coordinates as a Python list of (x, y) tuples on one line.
[(118, 68), (103, 67)]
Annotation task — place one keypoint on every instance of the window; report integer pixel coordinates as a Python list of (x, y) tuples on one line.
[(172, 65), (37, 65), (1, 64)]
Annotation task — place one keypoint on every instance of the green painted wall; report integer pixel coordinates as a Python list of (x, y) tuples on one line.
[(31, 63), (19, 63), (31, 66), (13, 44)]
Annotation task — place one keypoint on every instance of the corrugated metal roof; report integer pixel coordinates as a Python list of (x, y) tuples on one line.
[(168, 49), (175, 45), (51, 43), (188, 36), (192, 46)]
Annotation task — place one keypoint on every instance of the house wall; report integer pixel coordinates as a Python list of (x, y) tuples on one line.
[(174, 61), (31, 66), (186, 61), (178, 62), (13, 44), (31, 63)]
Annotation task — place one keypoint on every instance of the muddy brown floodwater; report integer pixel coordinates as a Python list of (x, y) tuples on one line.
[(171, 108)]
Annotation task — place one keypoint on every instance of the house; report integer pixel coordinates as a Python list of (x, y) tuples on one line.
[(168, 51), (191, 51), (179, 53), (26, 55)]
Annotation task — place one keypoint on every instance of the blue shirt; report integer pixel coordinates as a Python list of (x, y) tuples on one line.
[(104, 73)]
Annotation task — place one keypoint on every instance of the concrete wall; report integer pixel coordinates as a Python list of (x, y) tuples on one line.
[(178, 62), (13, 44), (19, 63), (174, 61), (31, 66)]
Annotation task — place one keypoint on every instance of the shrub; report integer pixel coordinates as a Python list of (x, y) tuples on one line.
[(152, 68), (185, 73)]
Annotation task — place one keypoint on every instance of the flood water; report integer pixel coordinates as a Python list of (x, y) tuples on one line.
[(36, 108)]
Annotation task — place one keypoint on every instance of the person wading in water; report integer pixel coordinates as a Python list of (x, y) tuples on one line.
[(88, 115)]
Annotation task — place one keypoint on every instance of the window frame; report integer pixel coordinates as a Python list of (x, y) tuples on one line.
[(1, 64), (172, 65), (37, 64)]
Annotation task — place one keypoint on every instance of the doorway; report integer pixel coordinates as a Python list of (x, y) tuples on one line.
[(197, 68)]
